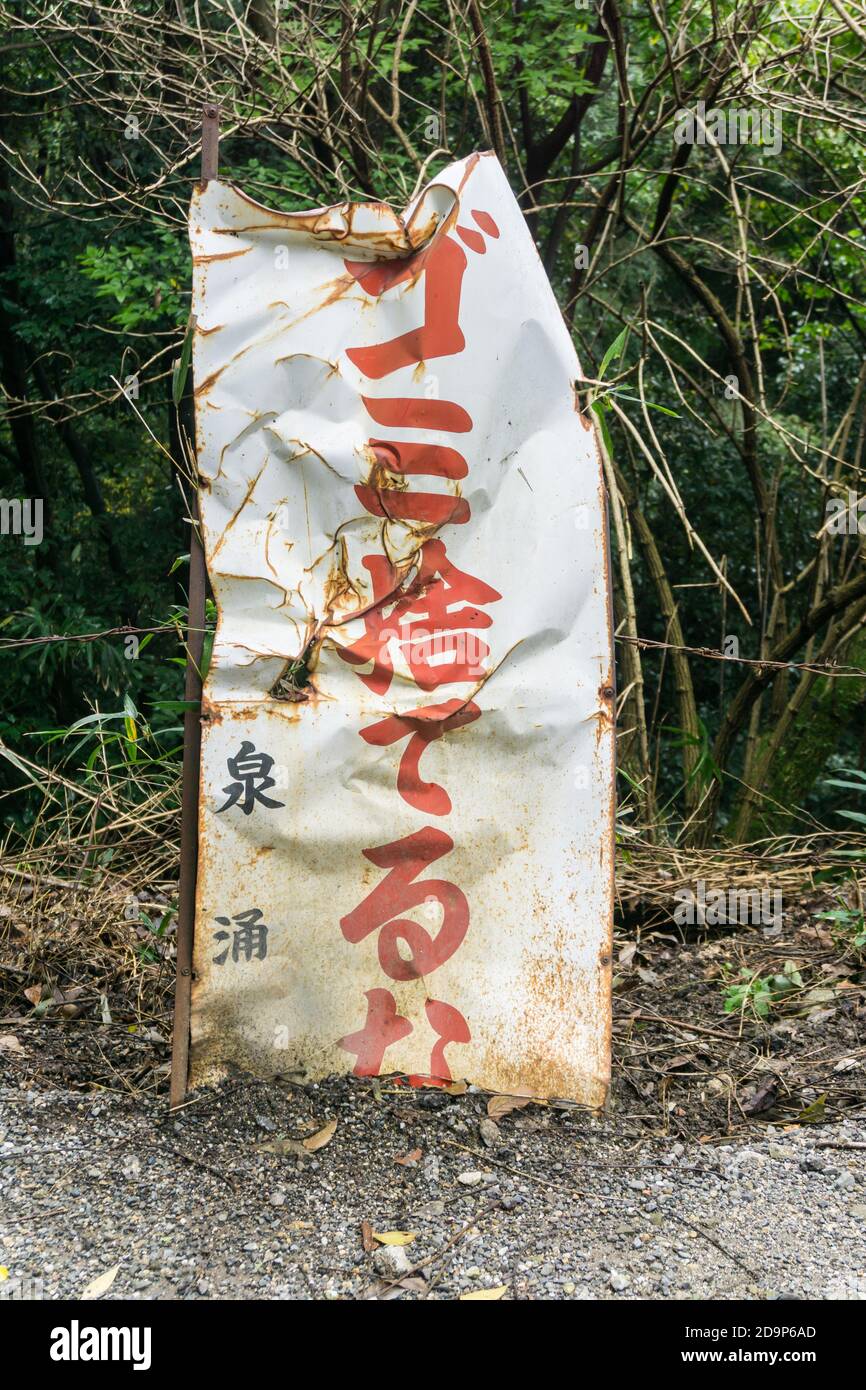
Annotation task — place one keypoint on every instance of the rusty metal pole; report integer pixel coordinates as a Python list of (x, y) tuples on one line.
[(191, 730)]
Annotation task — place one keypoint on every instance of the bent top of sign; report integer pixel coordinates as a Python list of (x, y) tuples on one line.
[(405, 838)]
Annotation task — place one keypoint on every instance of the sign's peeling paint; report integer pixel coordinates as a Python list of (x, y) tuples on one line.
[(406, 832)]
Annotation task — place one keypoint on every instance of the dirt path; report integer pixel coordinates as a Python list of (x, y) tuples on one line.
[(551, 1203), (713, 1175)]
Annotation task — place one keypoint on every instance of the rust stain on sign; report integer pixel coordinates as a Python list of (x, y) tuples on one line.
[(406, 814)]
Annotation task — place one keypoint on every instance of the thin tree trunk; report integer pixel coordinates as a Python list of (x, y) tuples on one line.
[(634, 700), (683, 687)]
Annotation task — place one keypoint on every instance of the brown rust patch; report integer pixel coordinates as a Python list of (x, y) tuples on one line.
[(221, 255), (338, 287), (604, 716), (250, 489), (294, 685), (388, 235), (384, 471), (204, 386), (341, 591), (210, 713)]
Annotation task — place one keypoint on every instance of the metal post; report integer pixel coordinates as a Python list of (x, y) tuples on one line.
[(191, 730)]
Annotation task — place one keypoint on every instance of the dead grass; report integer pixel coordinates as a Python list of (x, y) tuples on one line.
[(87, 932), (648, 875), (88, 895)]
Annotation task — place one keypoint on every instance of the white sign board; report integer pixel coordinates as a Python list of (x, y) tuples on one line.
[(406, 816)]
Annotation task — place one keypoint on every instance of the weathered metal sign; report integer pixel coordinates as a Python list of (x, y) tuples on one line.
[(405, 827)]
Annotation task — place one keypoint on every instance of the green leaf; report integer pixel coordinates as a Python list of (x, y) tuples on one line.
[(181, 367), (613, 351), (598, 410), (814, 1114), (206, 654)]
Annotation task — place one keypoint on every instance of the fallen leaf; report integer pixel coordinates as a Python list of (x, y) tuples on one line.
[(847, 1064), (822, 995), (410, 1159), (281, 1147), (394, 1237), (103, 1282), (4, 1273), (33, 993), (497, 1106), (367, 1237), (815, 1113), (818, 1016), (485, 1295), (457, 1088), (489, 1132), (762, 1098), (414, 1284), (324, 1136), (649, 977), (9, 1043)]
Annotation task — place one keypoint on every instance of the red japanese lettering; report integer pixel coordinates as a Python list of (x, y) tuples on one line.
[(443, 264), (421, 726), (428, 618), (435, 460), (399, 892), (432, 508), (452, 1027), (409, 412), (486, 223), (440, 335), (373, 646), (383, 1027), (433, 639)]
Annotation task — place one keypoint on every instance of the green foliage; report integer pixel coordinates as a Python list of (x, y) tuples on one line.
[(760, 994), (541, 53), (847, 924), (147, 280), (99, 289), (854, 780), (148, 954)]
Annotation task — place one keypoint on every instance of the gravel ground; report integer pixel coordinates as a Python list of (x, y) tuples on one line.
[(544, 1204)]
